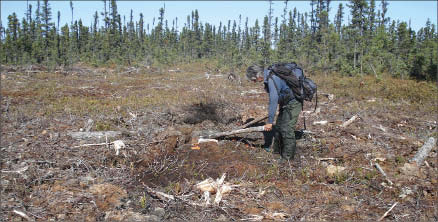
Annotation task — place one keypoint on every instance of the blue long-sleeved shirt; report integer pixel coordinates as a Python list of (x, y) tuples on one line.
[(273, 93)]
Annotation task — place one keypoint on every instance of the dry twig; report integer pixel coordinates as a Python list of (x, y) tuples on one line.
[(387, 212), (383, 173)]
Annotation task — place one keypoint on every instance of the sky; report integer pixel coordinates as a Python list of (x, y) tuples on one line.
[(213, 12)]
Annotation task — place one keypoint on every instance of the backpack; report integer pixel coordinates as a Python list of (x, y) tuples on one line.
[(302, 87)]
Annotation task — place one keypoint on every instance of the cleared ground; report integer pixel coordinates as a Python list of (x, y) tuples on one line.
[(48, 175)]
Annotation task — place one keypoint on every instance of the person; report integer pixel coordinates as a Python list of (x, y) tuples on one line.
[(280, 95)]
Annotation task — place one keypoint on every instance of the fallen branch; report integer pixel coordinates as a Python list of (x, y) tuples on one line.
[(387, 212), (423, 151), (93, 144), (118, 145), (160, 195), (350, 121), (97, 135), (23, 215), (327, 158), (383, 173), (253, 122), (238, 131)]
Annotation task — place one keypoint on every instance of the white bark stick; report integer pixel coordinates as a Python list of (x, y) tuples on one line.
[(348, 122), (424, 151), (23, 215), (387, 212), (383, 173)]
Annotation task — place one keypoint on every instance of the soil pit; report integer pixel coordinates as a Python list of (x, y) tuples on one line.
[(215, 111)]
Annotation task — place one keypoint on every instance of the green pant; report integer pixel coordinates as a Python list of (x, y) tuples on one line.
[(284, 141)]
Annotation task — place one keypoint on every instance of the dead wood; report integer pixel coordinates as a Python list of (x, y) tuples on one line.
[(424, 151), (350, 121), (328, 95), (160, 195), (253, 122), (327, 158), (97, 135), (174, 70), (23, 215), (238, 131), (387, 212), (383, 173)]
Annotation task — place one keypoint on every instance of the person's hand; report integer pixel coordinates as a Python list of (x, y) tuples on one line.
[(268, 127)]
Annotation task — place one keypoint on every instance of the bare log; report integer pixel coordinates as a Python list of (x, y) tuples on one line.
[(238, 131), (424, 151), (253, 122), (350, 121), (97, 135)]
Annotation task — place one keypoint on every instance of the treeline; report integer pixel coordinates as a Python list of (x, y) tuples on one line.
[(369, 43)]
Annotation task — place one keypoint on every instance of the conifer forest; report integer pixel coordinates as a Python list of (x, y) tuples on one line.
[(369, 43)]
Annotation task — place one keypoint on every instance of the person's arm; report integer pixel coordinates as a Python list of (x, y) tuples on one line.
[(273, 101)]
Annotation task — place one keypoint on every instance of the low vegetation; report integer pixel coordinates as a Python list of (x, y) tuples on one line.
[(48, 175)]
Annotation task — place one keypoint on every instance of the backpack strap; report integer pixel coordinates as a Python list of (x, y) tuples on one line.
[(275, 84)]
